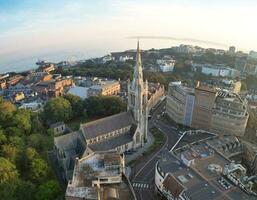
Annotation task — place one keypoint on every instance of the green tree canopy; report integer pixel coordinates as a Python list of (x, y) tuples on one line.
[(31, 153), (104, 106), (8, 171), (9, 152), (76, 104), (38, 170), (38, 141), (57, 109), (13, 131), (3, 138), (25, 190), (48, 191), (7, 110), (17, 141), (22, 120), (8, 190)]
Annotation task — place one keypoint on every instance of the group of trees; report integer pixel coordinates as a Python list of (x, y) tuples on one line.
[(70, 106), (24, 171), (109, 69), (124, 71), (210, 57), (104, 106)]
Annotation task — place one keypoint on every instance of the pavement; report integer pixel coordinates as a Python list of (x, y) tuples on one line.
[(140, 151)]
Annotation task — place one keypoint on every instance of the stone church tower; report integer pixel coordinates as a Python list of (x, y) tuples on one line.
[(138, 98)]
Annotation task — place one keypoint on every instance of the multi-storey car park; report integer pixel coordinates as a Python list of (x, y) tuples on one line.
[(201, 166)]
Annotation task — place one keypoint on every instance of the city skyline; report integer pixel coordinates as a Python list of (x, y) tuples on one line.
[(35, 28)]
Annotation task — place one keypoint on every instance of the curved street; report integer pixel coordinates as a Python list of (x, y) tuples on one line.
[(143, 170)]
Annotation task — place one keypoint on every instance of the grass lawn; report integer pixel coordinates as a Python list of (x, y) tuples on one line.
[(159, 138)]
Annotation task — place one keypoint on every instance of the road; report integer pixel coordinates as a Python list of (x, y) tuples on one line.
[(144, 171)]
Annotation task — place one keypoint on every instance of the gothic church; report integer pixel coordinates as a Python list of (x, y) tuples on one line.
[(121, 132)]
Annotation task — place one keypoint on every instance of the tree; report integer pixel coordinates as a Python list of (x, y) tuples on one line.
[(76, 104), (155, 77), (48, 191), (93, 106), (25, 190), (38, 170), (13, 131), (7, 190), (104, 106), (31, 153), (6, 112), (37, 141), (24, 160), (57, 109), (17, 141), (21, 120), (8, 171), (9, 152), (113, 105), (3, 138)]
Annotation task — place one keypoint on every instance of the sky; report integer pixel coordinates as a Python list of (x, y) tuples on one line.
[(76, 29)]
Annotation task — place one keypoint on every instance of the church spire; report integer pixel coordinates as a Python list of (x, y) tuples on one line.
[(138, 58), (138, 97), (138, 72)]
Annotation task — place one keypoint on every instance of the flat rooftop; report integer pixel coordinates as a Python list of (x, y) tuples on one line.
[(200, 180), (195, 136), (104, 84), (97, 166), (227, 145)]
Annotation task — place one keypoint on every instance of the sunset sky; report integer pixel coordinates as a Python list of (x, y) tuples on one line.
[(85, 28)]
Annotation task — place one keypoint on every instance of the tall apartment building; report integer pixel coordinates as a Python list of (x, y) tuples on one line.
[(204, 102), (232, 50), (207, 108), (229, 114), (180, 102)]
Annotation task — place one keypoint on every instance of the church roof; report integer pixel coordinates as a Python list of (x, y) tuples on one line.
[(107, 124), (69, 141), (112, 143)]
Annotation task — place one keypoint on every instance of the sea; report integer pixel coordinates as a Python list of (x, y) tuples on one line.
[(16, 63)]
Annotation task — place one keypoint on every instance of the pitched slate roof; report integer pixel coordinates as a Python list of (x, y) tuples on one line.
[(171, 185), (112, 143), (71, 141), (107, 124)]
